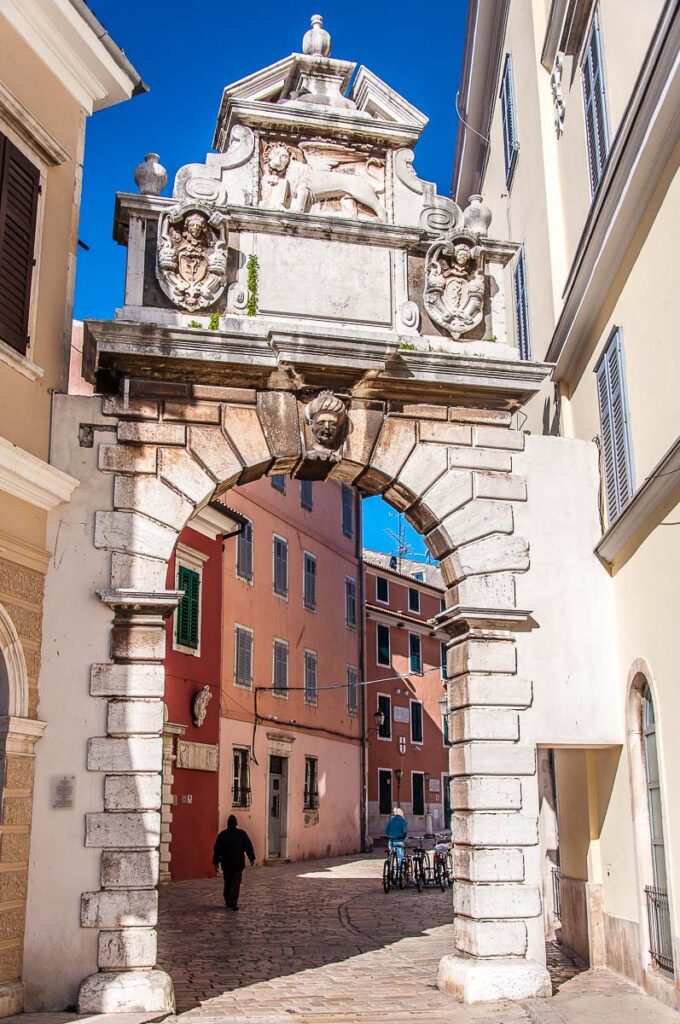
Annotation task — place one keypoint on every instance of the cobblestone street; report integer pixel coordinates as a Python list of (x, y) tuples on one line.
[(320, 943)]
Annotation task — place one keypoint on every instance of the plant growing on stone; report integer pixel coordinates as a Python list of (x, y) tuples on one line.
[(214, 322), (253, 267), (195, 323), (407, 346)]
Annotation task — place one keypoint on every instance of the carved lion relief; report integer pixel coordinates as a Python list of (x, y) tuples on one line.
[(322, 177), (192, 261), (455, 285)]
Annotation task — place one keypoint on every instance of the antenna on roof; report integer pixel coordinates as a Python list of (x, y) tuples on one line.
[(398, 538)]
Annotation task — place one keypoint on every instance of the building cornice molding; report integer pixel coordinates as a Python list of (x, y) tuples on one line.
[(30, 129), (27, 477), (647, 135), (653, 500), (21, 553)]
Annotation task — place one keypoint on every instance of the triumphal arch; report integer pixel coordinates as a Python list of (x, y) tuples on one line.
[(301, 303)]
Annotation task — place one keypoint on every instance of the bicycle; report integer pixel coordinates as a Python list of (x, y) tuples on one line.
[(421, 863), (442, 876), (393, 867)]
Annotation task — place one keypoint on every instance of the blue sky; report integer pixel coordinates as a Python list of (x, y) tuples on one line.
[(188, 60)]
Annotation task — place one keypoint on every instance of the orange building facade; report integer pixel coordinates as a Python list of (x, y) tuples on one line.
[(407, 753)]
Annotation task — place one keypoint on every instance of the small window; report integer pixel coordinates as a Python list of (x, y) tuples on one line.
[(309, 582), (311, 689), (382, 590), (240, 789), (442, 604), (307, 494), (445, 723), (519, 283), (614, 427), (443, 660), (510, 140), (385, 705), (416, 721), (243, 656), (384, 791), (415, 658), (311, 796), (244, 552), (347, 511), (19, 190), (420, 576), (281, 668), (280, 567), (383, 644), (279, 482), (188, 610), (350, 602), (594, 98), (418, 793), (414, 600), (352, 690)]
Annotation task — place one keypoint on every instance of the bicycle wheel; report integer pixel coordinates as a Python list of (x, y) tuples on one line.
[(387, 875), (440, 874), (449, 867), (417, 875), (403, 875), (426, 869)]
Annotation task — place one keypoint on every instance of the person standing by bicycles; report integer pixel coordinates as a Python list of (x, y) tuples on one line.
[(396, 832)]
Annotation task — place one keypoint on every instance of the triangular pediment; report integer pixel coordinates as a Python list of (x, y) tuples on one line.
[(375, 97)]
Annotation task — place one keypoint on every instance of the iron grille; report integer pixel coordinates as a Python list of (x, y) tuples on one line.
[(658, 915), (557, 893), (240, 796), (311, 801)]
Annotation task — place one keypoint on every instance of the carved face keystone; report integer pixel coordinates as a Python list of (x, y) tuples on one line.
[(325, 428)]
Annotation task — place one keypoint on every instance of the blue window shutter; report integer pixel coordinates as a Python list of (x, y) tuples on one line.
[(280, 667), (244, 656), (509, 116), (347, 511), (614, 428), (244, 552), (309, 583), (594, 99), (522, 306), (280, 567)]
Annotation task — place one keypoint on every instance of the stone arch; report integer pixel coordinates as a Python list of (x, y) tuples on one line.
[(450, 471), (13, 674)]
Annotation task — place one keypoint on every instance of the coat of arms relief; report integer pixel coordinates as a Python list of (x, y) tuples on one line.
[(192, 259), (455, 284), (321, 177)]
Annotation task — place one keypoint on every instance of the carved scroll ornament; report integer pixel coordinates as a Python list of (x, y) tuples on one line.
[(192, 260), (455, 284)]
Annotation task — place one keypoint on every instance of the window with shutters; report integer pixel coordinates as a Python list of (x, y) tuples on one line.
[(244, 553), (414, 600), (519, 283), (442, 656), (307, 494), (311, 685), (385, 705), (352, 690), (347, 511), (240, 787), (311, 793), (187, 617), (414, 654), (594, 98), (278, 482), (280, 571), (19, 191), (384, 790), (617, 460), (383, 653), (416, 721), (309, 582), (280, 673), (382, 589), (509, 116), (350, 602), (418, 793), (243, 656)]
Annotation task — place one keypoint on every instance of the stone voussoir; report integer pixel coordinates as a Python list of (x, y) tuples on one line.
[(122, 458), (498, 437), (151, 432)]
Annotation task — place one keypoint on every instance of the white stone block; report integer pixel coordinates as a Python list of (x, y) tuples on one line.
[(119, 909), (243, 428), (129, 717), (445, 433), (474, 981), (498, 437), (422, 468), (151, 432), (486, 793), (493, 828), (496, 900), (133, 533), (126, 869), (504, 486), (137, 792), (477, 654), (497, 553), (132, 754), (131, 947), (123, 830), (496, 758), (488, 865), (122, 458), (126, 992), (480, 458), (155, 499), (182, 472), (395, 443), (138, 680), (483, 724), (137, 572), (479, 518), (211, 448), (489, 938), (499, 690)]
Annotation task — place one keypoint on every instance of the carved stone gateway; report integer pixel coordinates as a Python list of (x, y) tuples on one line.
[(357, 333)]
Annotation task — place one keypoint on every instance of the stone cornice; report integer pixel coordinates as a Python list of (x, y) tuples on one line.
[(27, 477), (147, 604), (647, 135), (30, 129), (653, 500), (461, 618)]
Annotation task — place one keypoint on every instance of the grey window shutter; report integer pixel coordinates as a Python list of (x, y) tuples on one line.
[(347, 511), (244, 565), (522, 306), (309, 593), (509, 119), (280, 667), (244, 656), (280, 567), (597, 134), (350, 603), (310, 676), (614, 428)]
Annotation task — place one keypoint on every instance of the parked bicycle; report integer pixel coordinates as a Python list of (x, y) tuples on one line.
[(394, 863), (434, 870)]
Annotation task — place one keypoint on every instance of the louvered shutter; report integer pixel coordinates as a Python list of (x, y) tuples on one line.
[(280, 667), (280, 567), (597, 135), (614, 431), (307, 494), (347, 511), (352, 689), (521, 306), (244, 556), (416, 722), (509, 120), (244, 656), (19, 189), (188, 580), (350, 603), (310, 582), (310, 677)]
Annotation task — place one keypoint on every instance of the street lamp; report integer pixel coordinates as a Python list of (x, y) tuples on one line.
[(379, 719), (398, 773)]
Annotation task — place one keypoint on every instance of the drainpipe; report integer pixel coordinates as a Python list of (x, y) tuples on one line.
[(362, 674)]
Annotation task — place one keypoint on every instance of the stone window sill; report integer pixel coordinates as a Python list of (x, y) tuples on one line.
[(22, 364)]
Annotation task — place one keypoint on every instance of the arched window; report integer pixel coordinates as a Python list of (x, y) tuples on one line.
[(661, 946)]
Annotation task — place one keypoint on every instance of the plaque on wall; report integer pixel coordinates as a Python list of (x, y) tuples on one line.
[(402, 714), (199, 756), (433, 785), (63, 791)]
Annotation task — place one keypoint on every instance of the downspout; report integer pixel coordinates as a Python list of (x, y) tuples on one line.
[(362, 675)]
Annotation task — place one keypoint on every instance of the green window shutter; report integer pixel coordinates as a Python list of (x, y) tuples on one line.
[(188, 580)]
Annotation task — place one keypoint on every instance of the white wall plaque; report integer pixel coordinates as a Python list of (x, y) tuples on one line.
[(200, 756), (433, 785), (63, 791), (402, 714)]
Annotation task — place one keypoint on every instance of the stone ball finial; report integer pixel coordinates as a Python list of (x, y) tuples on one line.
[(317, 41), (150, 176)]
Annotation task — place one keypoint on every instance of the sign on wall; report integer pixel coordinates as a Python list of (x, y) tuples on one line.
[(402, 714), (433, 785), (200, 756)]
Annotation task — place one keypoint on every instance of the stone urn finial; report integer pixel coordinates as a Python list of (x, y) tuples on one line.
[(477, 216), (317, 41), (151, 177)]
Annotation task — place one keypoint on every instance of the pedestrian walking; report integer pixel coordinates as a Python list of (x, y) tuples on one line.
[(232, 846)]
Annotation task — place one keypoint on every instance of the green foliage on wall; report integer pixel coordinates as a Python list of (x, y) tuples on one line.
[(253, 266)]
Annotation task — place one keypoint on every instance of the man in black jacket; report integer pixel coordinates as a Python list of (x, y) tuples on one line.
[(231, 849)]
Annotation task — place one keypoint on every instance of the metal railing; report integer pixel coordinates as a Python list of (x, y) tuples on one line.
[(658, 915), (240, 796), (311, 800), (557, 892)]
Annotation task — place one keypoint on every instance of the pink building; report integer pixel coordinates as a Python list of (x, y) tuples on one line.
[(291, 712)]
